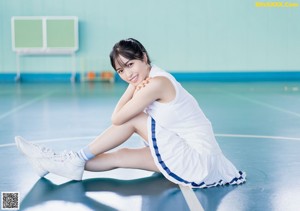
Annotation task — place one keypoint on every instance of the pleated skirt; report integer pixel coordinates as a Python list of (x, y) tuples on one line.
[(182, 164)]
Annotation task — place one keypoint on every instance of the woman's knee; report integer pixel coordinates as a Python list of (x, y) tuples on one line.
[(140, 125), (140, 118), (127, 156)]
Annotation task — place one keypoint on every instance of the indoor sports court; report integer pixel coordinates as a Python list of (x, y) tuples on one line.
[(240, 61)]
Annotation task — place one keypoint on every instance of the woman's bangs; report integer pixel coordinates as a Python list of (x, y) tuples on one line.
[(119, 61)]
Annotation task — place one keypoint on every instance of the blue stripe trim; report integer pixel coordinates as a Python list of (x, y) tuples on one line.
[(7, 77), (233, 76), (180, 76), (162, 163), (237, 76), (39, 77), (176, 177)]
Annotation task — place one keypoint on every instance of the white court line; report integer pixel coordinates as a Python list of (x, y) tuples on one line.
[(25, 105), (52, 140), (191, 198), (80, 138), (189, 195), (262, 103), (257, 136), (7, 92)]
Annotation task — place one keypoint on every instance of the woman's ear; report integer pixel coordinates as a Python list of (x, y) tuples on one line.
[(145, 59)]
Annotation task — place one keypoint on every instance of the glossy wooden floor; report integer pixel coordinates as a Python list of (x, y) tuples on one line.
[(257, 126)]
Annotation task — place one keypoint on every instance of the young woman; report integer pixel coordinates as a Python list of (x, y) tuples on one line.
[(181, 142)]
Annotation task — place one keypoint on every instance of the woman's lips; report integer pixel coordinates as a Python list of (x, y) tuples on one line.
[(133, 79)]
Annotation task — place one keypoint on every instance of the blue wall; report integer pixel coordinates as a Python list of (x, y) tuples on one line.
[(192, 36)]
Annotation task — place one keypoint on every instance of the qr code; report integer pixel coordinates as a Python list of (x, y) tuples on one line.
[(10, 200)]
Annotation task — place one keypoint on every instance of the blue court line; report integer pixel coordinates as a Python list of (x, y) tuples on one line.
[(20, 107)]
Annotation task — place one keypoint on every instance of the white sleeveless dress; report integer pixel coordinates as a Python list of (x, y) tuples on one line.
[(183, 144)]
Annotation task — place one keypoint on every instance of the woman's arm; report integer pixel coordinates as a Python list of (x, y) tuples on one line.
[(139, 101), (128, 94)]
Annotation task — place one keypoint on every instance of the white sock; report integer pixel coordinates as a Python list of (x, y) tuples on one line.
[(85, 153)]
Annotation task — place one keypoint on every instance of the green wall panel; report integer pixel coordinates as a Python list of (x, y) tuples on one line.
[(61, 34), (28, 34)]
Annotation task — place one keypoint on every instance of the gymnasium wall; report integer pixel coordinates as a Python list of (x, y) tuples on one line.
[(181, 36)]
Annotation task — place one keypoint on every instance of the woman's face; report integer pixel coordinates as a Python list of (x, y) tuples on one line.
[(133, 71)]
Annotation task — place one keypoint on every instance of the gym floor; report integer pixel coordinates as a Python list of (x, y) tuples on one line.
[(257, 125)]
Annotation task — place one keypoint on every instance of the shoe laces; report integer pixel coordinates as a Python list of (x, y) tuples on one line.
[(65, 155), (49, 153), (45, 150)]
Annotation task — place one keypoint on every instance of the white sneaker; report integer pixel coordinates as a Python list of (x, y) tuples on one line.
[(67, 164), (32, 152)]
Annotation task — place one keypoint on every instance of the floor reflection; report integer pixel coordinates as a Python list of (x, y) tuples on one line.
[(153, 193)]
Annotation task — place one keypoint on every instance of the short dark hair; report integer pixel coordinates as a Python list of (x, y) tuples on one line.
[(130, 49)]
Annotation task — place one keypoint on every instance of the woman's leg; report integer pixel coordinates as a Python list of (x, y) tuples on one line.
[(71, 165), (123, 158), (118, 134)]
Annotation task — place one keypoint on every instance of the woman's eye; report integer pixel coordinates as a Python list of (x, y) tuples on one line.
[(120, 71), (130, 64)]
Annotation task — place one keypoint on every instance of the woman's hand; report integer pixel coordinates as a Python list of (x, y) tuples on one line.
[(141, 85), (145, 93)]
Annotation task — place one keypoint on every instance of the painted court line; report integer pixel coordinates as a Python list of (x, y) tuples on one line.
[(6, 92), (262, 103), (189, 195), (80, 138), (191, 198), (20, 107), (257, 136), (53, 140)]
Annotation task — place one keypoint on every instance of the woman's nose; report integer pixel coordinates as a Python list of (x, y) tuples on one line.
[(128, 72)]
